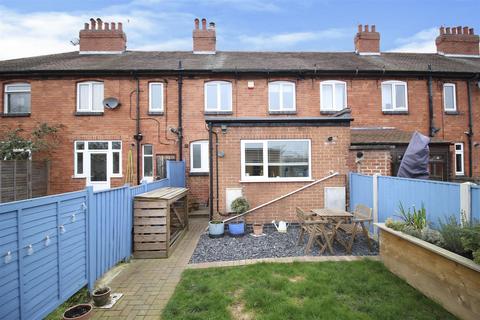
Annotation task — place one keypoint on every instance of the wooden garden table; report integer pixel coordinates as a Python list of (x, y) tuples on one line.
[(337, 218)]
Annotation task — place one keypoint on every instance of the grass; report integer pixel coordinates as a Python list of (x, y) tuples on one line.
[(81, 296), (326, 290)]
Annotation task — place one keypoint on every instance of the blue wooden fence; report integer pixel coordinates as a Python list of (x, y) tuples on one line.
[(441, 199), (53, 246)]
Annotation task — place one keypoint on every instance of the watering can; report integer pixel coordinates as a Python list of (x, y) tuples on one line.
[(281, 227)]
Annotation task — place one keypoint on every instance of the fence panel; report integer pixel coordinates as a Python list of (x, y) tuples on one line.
[(23, 179), (476, 203), (46, 240), (176, 173), (441, 199), (360, 190)]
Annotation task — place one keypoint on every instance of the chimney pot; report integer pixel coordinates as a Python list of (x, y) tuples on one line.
[(197, 23), (373, 28), (459, 30), (465, 30), (99, 24), (471, 31), (204, 24), (366, 28), (93, 24), (360, 28), (442, 30), (106, 26), (120, 26), (447, 30), (86, 26), (112, 26), (454, 30), (211, 25)]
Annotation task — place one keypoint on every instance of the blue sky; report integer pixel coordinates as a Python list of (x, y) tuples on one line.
[(34, 27)]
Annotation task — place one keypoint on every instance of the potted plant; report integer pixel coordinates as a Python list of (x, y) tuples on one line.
[(101, 296), (258, 229), (216, 229), (78, 312), (239, 206)]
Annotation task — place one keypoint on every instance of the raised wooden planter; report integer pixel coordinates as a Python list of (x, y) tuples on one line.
[(447, 278), (160, 221)]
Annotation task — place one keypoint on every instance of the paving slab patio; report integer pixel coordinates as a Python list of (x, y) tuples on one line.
[(148, 284)]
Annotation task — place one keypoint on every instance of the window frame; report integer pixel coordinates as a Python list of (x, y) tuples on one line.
[(86, 153), (218, 84), (144, 177), (462, 155), (282, 108), (150, 91), (265, 178), (6, 92), (393, 84), (204, 157), (333, 83), (90, 92), (453, 85)]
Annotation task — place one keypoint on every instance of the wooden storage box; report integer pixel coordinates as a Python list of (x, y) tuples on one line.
[(160, 221)]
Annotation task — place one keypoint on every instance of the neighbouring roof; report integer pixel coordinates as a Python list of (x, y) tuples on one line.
[(385, 136), (222, 61)]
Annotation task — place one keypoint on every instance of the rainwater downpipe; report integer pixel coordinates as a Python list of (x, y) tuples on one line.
[(138, 136), (431, 129), (180, 111), (210, 168), (470, 128), (216, 169)]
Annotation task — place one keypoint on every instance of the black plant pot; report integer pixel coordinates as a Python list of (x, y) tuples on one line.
[(78, 312)]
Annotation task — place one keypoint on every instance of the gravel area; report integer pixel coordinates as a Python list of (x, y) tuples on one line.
[(273, 244)]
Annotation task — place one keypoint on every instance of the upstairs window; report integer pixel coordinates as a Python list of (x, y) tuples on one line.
[(449, 97), (218, 96), (155, 103), (281, 96), (199, 156), (90, 96), (459, 166), (394, 96), (17, 98), (333, 95)]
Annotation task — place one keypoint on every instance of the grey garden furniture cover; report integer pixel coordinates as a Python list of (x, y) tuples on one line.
[(415, 160)]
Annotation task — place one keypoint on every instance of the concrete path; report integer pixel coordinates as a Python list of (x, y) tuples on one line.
[(147, 284)]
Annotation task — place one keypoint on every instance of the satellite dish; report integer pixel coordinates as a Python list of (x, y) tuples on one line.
[(110, 103)]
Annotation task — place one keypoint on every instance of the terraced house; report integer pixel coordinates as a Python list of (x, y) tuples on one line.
[(262, 124)]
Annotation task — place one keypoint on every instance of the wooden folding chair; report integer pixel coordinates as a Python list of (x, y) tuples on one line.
[(361, 215), (315, 229)]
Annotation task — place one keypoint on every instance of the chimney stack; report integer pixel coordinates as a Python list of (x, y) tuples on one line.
[(204, 39), (102, 37), (458, 41), (367, 42)]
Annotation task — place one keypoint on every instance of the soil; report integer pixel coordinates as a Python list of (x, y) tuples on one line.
[(77, 311)]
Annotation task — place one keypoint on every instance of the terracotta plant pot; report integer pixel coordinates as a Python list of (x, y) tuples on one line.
[(101, 296), (78, 312), (257, 229)]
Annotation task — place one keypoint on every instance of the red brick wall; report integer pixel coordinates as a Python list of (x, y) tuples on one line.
[(373, 161), (327, 157), (54, 101)]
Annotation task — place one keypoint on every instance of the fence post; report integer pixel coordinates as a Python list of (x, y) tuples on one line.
[(465, 202), (91, 238), (375, 202)]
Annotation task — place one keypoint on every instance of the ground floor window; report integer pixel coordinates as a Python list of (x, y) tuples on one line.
[(275, 160), (161, 164), (459, 161), (199, 156), (147, 162)]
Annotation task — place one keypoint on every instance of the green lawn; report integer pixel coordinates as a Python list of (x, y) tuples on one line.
[(325, 290)]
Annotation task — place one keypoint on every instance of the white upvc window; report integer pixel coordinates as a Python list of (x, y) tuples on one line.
[(394, 96), (199, 156), (276, 160), (281, 96), (459, 159), (147, 162), (155, 97), (218, 96), (333, 95), (449, 97), (83, 149), (90, 96), (17, 98)]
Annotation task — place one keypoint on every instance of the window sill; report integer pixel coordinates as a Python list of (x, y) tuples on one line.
[(218, 113), (276, 180), (13, 115), (83, 114), (395, 112), (329, 112), (156, 113), (452, 113), (199, 174), (282, 112)]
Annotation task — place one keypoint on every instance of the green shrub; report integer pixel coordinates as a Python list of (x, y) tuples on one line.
[(433, 236), (395, 225), (417, 219), (240, 205), (452, 233), (471, 240)]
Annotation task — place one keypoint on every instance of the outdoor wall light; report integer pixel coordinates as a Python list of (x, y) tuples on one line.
[(224, 128), (8, 257), (74, 217)]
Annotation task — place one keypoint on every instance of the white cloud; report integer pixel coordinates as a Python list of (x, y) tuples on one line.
[(286, 40), (420, 42), (168, 45)]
